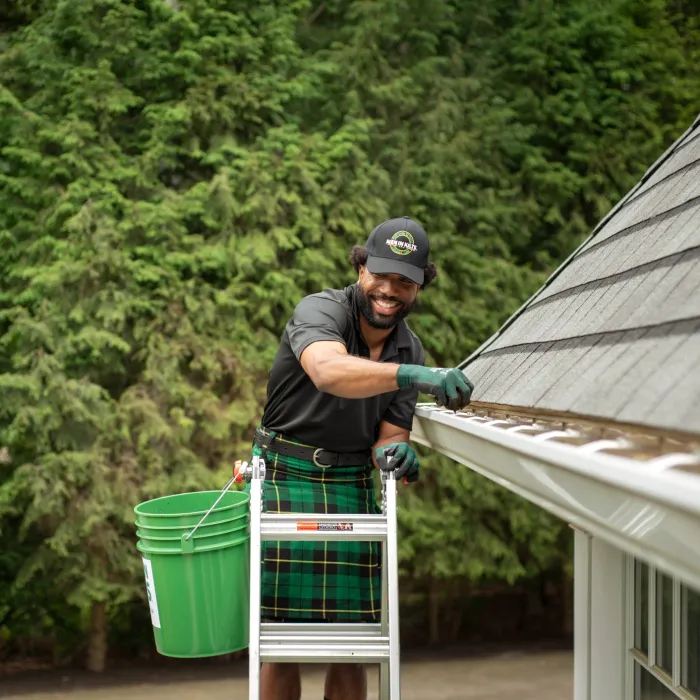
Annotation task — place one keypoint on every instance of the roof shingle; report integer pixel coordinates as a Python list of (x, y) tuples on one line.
[(615, 332)]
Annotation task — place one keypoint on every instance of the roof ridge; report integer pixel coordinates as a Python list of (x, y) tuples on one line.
[(624, 200)]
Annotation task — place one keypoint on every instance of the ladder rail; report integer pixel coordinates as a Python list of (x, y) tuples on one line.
[(384, 689), (392, 574), (255, 582)]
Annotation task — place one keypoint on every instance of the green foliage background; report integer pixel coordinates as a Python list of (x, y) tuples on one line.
[(175, 176)]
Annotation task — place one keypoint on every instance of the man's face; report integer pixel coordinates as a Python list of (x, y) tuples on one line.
[(385, 299)]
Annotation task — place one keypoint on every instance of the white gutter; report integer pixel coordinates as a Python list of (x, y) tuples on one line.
[(644, 508)]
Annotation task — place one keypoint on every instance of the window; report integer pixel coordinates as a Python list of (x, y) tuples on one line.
[(664, 636), (690, 640), (664, 622), (648, 687), (641, 607)]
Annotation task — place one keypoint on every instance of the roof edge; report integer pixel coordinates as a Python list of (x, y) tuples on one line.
[(518, 312), (649, 510)]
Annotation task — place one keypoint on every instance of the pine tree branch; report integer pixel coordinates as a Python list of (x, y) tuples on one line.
[(316, 14)]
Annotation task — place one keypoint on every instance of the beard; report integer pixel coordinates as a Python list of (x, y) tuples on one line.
[(381, 322)]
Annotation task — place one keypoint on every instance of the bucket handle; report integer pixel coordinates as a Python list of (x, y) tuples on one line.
[(185, 538)]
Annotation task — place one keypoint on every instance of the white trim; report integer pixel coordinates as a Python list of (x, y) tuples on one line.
[(652, 515), (582, 615), (608, 653), (684, 636), (653, 605), (630, 611)]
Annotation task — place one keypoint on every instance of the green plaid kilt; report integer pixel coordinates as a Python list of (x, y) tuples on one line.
[(338, 581)]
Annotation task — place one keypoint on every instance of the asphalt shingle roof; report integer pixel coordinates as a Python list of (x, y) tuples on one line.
[(615, 332)]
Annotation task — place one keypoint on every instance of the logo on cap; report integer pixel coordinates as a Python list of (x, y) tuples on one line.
[(402, 243)]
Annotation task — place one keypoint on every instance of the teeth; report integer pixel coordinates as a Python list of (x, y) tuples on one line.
[(386, 304)]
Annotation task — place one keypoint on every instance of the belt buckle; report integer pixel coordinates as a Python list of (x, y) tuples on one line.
[(315, 459)]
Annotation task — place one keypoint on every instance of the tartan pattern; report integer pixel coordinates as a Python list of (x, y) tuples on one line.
[(338, 581)]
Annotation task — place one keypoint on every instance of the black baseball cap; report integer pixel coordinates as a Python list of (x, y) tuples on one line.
[(398, 246)]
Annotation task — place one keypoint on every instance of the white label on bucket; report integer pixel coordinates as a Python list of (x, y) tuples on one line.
[(151, 590)]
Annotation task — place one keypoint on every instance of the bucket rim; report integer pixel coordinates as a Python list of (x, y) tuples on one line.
[(141, 535), (245, 500), (208, 548), (189, 527)]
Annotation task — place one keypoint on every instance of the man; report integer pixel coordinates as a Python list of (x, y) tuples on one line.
[(341, 394)]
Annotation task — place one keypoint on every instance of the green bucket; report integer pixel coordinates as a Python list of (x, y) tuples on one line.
[(198, 589), (187, 509)]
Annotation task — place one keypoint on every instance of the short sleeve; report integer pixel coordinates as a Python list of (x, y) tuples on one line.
[(315, 318), (403, 406), (401, 409)]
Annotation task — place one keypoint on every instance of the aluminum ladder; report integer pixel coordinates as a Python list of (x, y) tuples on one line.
[(366, 643)]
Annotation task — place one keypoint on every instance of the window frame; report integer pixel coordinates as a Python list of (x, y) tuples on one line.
[(635, 656)]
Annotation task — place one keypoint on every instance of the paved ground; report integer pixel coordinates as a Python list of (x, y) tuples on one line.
[(518, 675)]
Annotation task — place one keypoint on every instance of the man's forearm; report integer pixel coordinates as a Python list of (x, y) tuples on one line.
[(355, 377)]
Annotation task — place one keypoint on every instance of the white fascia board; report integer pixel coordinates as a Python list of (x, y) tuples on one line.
[(652, 514)]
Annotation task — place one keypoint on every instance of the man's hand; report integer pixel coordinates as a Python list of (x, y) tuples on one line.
[(450, 387), (400, 458)]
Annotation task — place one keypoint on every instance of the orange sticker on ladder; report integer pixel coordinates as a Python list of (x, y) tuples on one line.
[(305, 525)]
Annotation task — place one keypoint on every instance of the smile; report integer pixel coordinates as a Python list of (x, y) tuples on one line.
[(385, 304)]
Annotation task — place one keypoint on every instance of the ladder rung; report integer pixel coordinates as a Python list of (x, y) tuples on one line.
[(314, 629), (319, 639), (325, 517), (302, 526), (325, 652)]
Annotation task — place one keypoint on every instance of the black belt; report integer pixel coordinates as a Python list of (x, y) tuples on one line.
[(320, 457)]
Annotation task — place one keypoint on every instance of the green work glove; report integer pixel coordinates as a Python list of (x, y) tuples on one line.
[(400, 458), (450, 387)]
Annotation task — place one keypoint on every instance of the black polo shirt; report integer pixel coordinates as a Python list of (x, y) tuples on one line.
[(297, 409)]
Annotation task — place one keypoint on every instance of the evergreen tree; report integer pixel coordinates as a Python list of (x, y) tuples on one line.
[(175, 176)]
